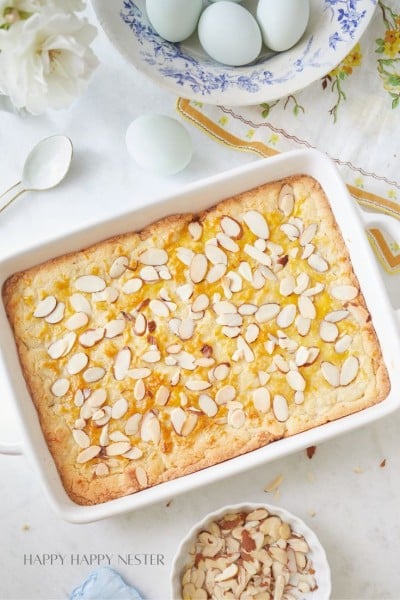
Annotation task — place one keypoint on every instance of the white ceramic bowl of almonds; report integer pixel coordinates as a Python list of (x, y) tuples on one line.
[(250, 551)]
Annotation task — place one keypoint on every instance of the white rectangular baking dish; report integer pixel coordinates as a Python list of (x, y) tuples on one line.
[(197, 197)]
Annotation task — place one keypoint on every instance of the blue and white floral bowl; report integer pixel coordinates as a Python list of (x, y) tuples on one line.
[(335, 27)]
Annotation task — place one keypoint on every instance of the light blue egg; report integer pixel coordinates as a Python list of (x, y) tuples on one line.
[(105, 584)]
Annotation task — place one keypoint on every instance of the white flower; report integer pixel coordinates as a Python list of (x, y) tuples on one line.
[(13, 10), (45, 61)]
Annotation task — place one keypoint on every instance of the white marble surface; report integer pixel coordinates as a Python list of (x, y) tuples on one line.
[(342, 492)]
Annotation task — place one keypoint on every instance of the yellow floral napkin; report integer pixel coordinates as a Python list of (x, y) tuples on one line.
[(352, 114)]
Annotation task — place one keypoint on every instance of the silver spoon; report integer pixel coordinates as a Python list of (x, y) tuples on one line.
[(45, 167)]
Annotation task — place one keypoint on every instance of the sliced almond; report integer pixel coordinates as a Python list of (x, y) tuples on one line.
[(286, 316), (60, 387), (328, 331), (299, 397), (97, 398), (133, 454), (185, 255), (195, 230), (162, 395), (57, 315), (290, 230), (62, 346), (227, 243), (266, 312), (189, 424), (286, 200), (229, 319), (117, 448), (77, 363), (303, 325), (151, 356), (225, 394), (200, 303), (263, 377), (198, 268), (236, 418), (287, 285), (308, 251), (302, 283), (149, 274), (280, 408), (313, 354), (178, 418), (281, 363), (308, 234), (109, 294), (313, 291), (81, 438), (121, 363), (118, 267), (102, 470), (224, 307), (132, 424), (243, 346), (140, 373), (197, 385), (257, 255), (235, 281), (262, 399), (119, 408), (258, 280), (245, 271), (153, 257), (139, 390), (186, 329), (231, 227), (331, 373), (150, 430), (91, 337), (344, 292), (349, 370), (185, 291), (343, 344), (257, 224), (132, 285), (318, 263), (252, 333), (141, 477), (76, 321), (45, 307), (94, 374), (231, 332), (90, 283), (221, 371), (216, 273), (114, 328), (267, 273), (88, 454), (336, 316), (207, 405), (80, 304), (306, 307), (159, 308), (296, 381), (215, 255), (247, 309)]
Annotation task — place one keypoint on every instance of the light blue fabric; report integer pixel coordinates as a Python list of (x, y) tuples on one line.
[(105, 584)]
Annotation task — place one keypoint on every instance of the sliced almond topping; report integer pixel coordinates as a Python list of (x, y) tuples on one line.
[(344, 292), (267, 273), (216, 273), (101, 470), (349, 370), (114, 328), (140, 373), (132, 285), (343, 344), (133, 454), (252, 333), (118, 436), (308, 250), (235, 281), (62, 346), (139, 391), (328, 331), (45, 307), (153, 257), (299, 397), (286, 200), (229, 319), (150, 430), (186, 329), (225, 394), (319, 287), (174, 348), (78, 398), (221, 371), (266, 312), (149, 274), (318, 263), (77, 321), (97, 398), (245, 271), (186, 361), (302, 283), (57, 315), (207, 405), (94, 374), (60, 387), (281, 363), (121, 363), (81, 304), (141, 477), (263, 377), (296, 381), (236, 418), (117, 448), (306, 307), (224, 307), (257, 255), (185, 255), (159, 308), (198, 268), (301, 356), (262, 399), (336, 316), (178, 417), (118, 267), (195, 230), (152, 356), (132, 424), (290, 230), (257, 224), (286, 316), (215, 255), (77, 363), (231, 227), (162, 395), (189, 424), (227, 243), (280, 408), (185, 291), (109, 294), (87, 454), (331, 373), (303, 325), (90, 283), (90, 337), (245, 348), (247, 309), (81, 438), (258, 280), (119, 408), (197, 385), (140, 325), (308, 234), (231, 332), (200, 303), (313, 354), (287, 285)]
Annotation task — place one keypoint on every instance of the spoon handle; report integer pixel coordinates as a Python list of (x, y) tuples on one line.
[(10, 188), (8, 202)]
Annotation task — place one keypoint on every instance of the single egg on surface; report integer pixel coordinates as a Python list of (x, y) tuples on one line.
[(282, 23), (229, 33), (174, 20), (159, 143)]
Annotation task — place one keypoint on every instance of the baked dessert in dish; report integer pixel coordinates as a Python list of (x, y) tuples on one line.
[(155, 354)]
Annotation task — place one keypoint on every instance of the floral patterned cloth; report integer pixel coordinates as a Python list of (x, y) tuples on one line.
[(352, 114)]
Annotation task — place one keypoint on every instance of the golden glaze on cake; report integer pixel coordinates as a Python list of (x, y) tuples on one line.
[(153, 355)]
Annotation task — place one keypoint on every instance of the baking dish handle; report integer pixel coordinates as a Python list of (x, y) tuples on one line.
[(391, 225)]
